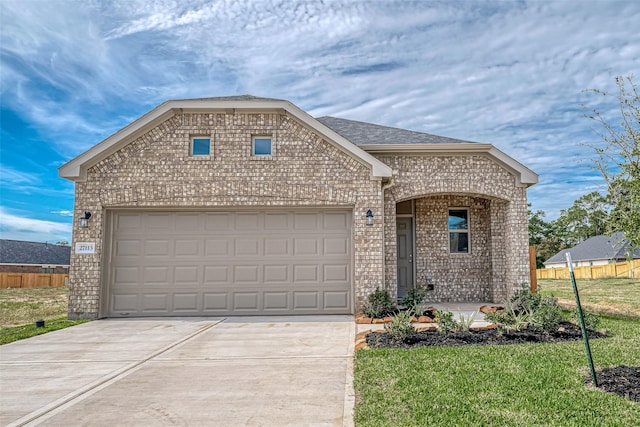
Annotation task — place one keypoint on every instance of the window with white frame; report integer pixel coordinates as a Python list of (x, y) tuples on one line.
[(261, 146), (459, 231), (200, 146)]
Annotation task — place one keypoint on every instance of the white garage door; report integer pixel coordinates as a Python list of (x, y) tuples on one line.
[(229, 263)]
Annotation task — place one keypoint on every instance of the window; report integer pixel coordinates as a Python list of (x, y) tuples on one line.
[(261, 146), (200, 146), (458, 231)]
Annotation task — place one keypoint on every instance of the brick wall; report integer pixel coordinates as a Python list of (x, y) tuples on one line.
[(498, 262), (156, 170)]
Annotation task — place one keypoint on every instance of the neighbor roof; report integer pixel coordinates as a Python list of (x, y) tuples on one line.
[(33, 253), (598, 247)]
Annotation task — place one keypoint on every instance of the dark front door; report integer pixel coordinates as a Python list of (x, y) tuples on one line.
[(404, 232)]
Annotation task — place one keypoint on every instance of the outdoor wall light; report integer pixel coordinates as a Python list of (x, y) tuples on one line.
[(84, 218), (369, 217)]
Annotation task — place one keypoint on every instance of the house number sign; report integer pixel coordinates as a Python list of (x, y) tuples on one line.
[(85, 248)]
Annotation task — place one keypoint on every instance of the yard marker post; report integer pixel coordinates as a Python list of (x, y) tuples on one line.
[(583, 327)]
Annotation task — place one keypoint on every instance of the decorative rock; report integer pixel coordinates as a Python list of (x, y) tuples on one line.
[(427, 328), (362, 346), (364, 321), (490, 308), (413, 319), (362, 335), (378, 321), (425, 319), (483, 328), (388, 319)]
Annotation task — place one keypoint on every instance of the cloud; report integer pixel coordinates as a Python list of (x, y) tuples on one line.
[(24, 228), (506, 73), (63, 212)]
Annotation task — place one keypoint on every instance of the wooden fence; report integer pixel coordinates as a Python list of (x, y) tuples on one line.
[(33, 280), (621, 269)]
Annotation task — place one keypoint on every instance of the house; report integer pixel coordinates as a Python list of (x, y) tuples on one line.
[(18, 256), (244, 205), (597, 250)]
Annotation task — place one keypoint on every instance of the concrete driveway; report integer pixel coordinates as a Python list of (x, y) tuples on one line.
[(250, 371)]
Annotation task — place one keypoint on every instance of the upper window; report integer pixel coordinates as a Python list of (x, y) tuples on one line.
[(261, 146), (459, 231), (200, 146)]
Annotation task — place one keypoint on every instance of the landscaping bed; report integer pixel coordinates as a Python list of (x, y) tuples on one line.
[(567, 331)]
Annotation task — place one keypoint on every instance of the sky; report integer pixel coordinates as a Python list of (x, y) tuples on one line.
[(509, 73)]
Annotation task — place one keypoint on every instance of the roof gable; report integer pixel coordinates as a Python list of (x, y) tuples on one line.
[(378, 139), (33, 253), (76, 169)]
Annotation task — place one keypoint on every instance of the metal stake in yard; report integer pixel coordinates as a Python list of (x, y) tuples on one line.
[(585, 336)]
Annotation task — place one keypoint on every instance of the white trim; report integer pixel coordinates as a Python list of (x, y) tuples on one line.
[(76, 169), (195, 136), (253, 145)]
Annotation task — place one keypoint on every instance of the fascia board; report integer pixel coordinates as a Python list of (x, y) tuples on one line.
[(76, 168)]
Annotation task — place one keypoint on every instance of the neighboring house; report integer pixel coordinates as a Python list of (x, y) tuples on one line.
[(597, 250), (17, 256), (244, 205)]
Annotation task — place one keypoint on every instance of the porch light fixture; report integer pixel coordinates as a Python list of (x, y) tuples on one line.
[(369, 217), (84, 218)]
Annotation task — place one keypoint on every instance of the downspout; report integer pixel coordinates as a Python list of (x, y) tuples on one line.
[(386, 186)]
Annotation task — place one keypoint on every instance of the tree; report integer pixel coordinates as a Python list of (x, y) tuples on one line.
[(618, 159), (62, 243), (587, 217)]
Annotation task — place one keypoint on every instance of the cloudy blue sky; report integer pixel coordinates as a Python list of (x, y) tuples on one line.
[(510, 73)]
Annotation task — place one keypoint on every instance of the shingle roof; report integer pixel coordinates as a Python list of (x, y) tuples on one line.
[(361, 133), (33, 253), (598, 247)]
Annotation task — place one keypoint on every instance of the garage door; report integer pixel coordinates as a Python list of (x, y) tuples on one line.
[(229, 263)]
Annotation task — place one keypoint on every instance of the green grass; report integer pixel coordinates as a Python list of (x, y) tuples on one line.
[(611, 297), (21, 306), (15, 333), (512, 385)]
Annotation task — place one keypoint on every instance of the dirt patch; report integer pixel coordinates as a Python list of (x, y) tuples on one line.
[(621, 380)]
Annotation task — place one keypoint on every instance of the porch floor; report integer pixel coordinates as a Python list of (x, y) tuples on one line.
[(465, 309)]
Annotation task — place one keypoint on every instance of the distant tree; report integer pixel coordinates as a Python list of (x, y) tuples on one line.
[(62, 243), (544, 236), (587, 217), (618, 160)]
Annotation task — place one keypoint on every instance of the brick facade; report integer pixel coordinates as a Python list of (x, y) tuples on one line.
[(498, 262), (155, 170)]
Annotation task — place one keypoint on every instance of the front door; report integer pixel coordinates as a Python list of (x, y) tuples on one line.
[(404, 232)]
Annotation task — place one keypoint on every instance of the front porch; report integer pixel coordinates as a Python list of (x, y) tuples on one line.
[(458, 247)]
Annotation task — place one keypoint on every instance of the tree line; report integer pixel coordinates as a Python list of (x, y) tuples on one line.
[(617, 159)]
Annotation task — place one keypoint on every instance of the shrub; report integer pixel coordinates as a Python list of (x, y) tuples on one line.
[(525, 301), (379, 304), (400, 328), (446, 322), (414, 299), (466, 322), (547, 318), (591, 321)]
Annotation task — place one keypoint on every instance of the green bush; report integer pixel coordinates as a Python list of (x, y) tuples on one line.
[(445, 321), (379, 304), (591, 321), (547, 318), (400, 328), (414, 299)]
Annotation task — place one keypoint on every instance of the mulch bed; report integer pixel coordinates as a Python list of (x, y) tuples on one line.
[(621, 380), (567, 331)]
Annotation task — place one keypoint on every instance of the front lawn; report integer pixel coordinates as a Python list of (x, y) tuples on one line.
[(611, 296), (512, 385)]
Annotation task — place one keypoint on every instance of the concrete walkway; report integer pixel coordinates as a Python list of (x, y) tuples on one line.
[(251, 371)]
